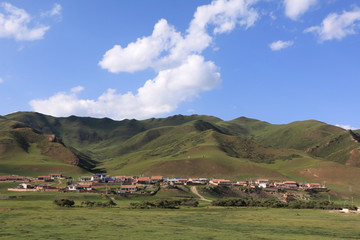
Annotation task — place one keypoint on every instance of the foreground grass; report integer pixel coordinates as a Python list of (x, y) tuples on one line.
[(40, 219)]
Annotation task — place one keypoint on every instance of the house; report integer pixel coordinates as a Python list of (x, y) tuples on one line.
[(55, 175), (182, 181), (177, 181), (143, 180), (85, 178), (109, 179), (13, 178), (45, 187), (127, 180), (219, 182), (289, 185), (25, 186), (155, 179), (263, 183), (45, 178), (72, 188), (128, 188), (98, 177), (84, 187), (242, 183), (197, 181), (314, 186), (172, 181)]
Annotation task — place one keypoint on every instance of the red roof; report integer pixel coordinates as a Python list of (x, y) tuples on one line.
[(143, 179), (157, 177), (289, 182)]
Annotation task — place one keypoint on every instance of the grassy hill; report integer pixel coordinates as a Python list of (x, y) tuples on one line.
[(26, 151), (179, 145)]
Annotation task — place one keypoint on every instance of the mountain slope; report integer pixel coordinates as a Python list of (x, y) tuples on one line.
[(22, 149), (133, 146)]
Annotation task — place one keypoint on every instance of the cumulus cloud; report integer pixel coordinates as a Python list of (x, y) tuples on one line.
[(347, 127), (158, 96), (167, 48), (336, 26), (182, 72), (16, 23), (278, 45), (295, 8)]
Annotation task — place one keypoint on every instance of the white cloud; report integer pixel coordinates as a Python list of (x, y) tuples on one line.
[(278, 45), (336, 26), (15, 23), (158, 96), (347, 127), (1, 80), (55, 11), (143, 53), (167, 48), (77, 89), (182, 73), (295, 8)]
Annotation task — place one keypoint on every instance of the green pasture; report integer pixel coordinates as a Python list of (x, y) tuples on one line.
[(34, 216)]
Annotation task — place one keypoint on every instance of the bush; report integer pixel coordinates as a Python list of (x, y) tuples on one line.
[(64, 202), (276, 203), (109, 203), (165, 203)]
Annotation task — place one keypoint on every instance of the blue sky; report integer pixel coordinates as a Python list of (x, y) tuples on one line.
[(274, 60)]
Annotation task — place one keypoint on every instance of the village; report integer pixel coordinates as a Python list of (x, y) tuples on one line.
[(101, 182)]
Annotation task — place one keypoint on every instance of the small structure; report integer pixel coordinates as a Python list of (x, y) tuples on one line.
[(84, 187), (98, 177), (182, 181), (45, 187), (155, 179), (72, 188), (220, 182), (85, 178), (128, 188), (13, 178), (289, 185), (45, 178), (127, 180), (55, 175), (242, 183), (177, 181), (25, 186), (197, 181), (143, 180), (263, 183), (315, 186)]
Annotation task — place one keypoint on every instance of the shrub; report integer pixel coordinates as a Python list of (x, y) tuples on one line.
[(64, 202), (165, 203)]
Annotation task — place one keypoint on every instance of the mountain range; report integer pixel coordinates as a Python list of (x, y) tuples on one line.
[(188, 146)]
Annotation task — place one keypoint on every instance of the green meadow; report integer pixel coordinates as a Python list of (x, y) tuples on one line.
[(34, 216)]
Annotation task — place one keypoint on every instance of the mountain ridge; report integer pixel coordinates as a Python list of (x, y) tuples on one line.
[(194, 145)]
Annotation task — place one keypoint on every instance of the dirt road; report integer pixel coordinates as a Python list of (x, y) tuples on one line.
[(194, 190)]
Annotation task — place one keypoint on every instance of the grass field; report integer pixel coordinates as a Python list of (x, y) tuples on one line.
[(34, 216)]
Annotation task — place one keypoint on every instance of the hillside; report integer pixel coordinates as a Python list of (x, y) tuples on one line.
[(179, 145), (25, 150)]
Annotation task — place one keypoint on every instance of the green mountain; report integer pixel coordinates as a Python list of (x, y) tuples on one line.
[(179, 145), (24, 150)]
